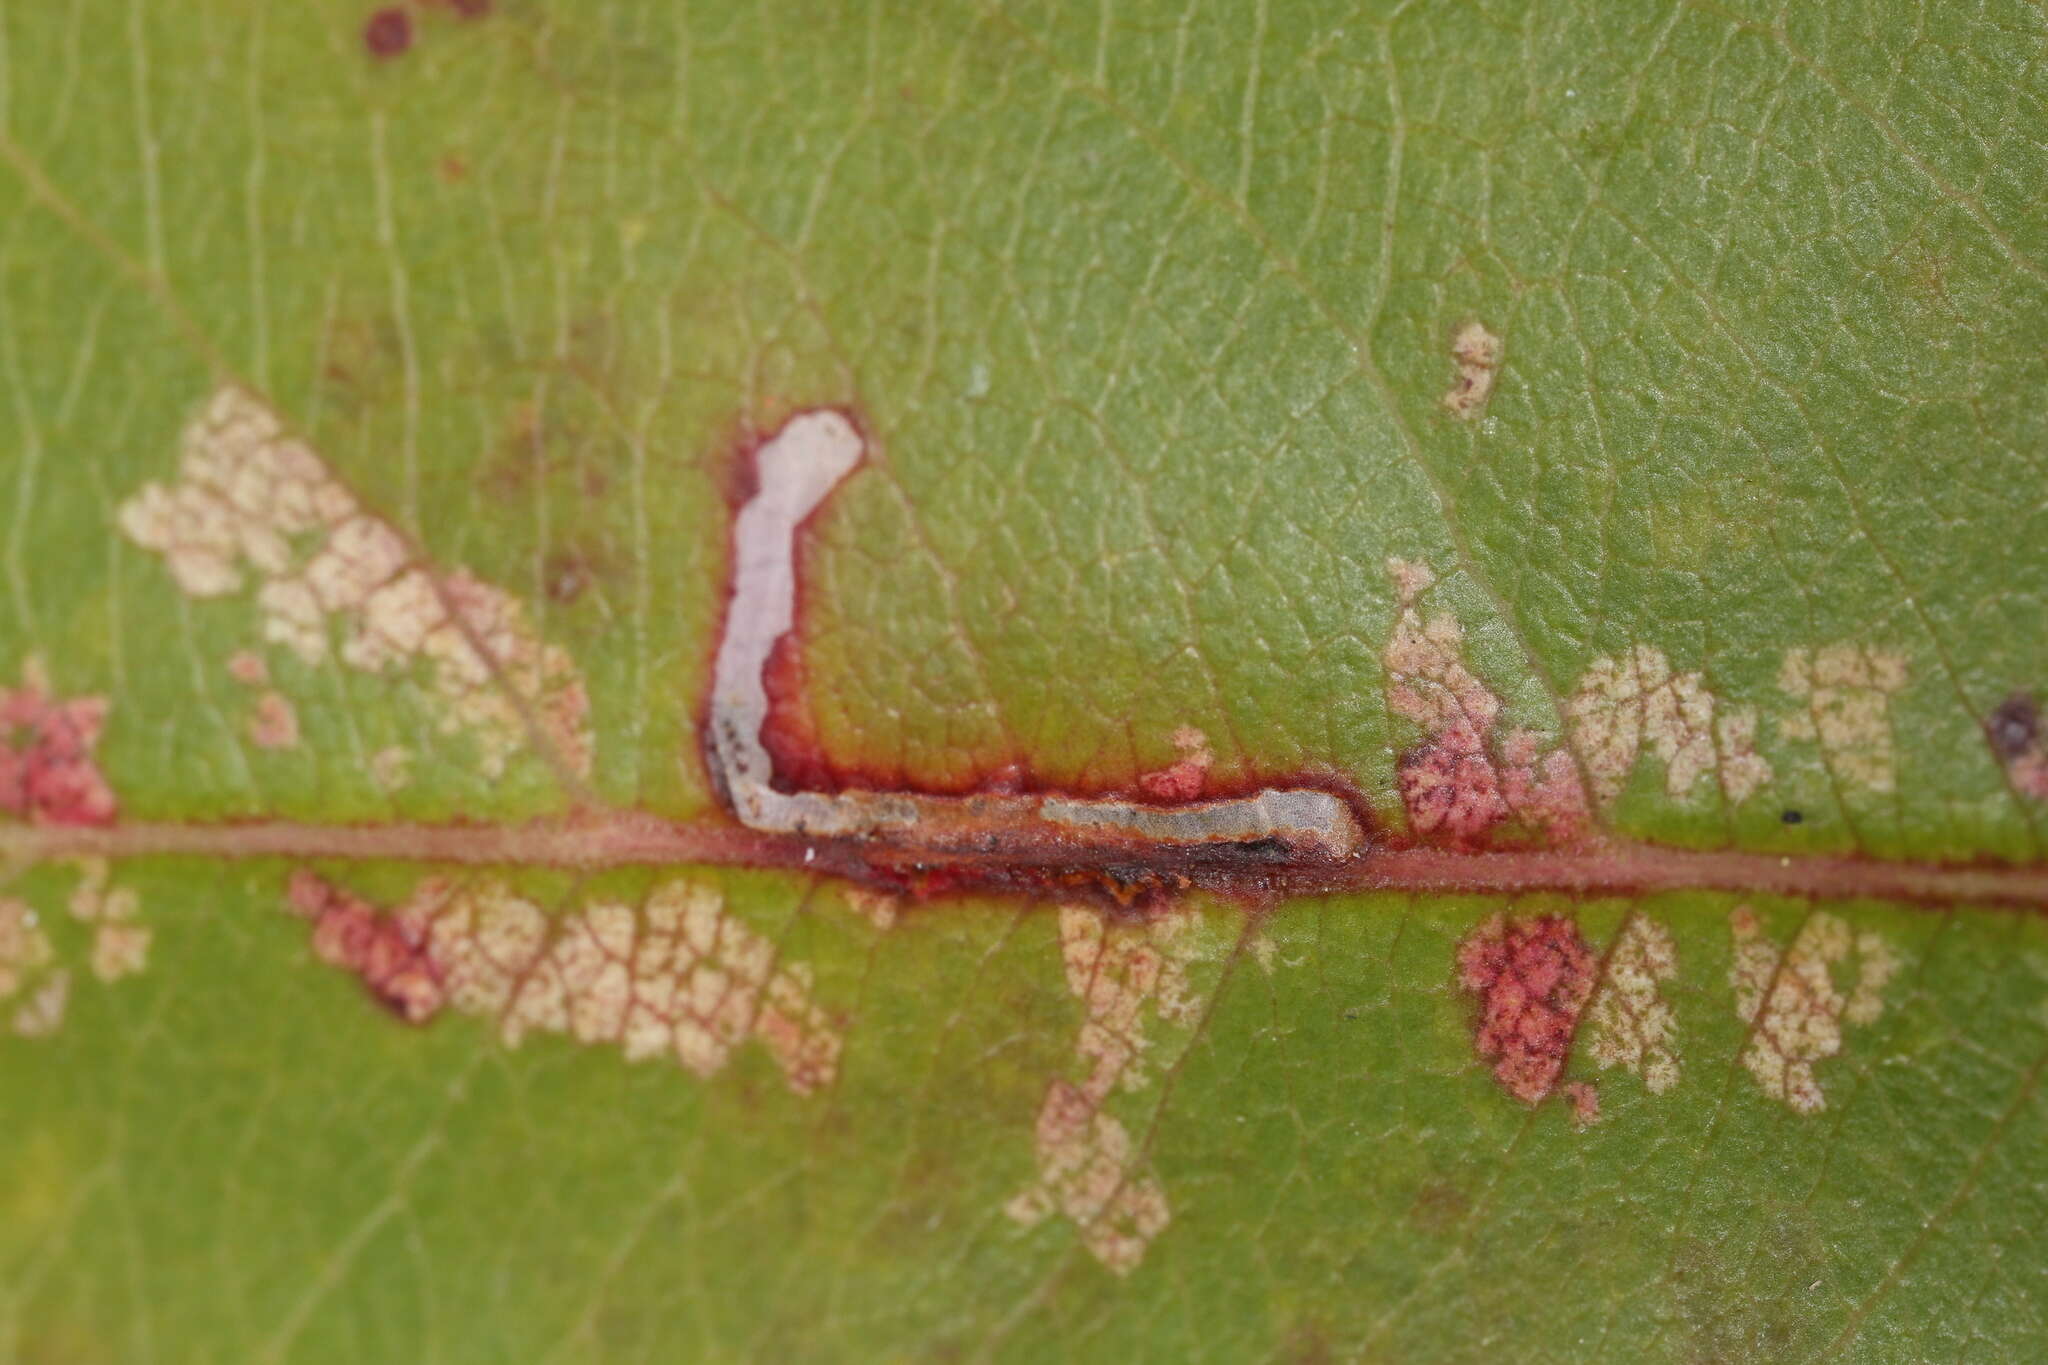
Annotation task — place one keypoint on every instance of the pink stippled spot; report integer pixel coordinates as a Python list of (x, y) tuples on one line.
[(1183, 779), (391, 953), (1466, 781), (1584, 1099), (1180, 781), (1543, 789), (1450, 788), (1532, 977), (248, 668), (387, 32), (274, 724), (47, 771)]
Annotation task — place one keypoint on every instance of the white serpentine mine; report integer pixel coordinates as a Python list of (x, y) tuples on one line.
[(797, 469)]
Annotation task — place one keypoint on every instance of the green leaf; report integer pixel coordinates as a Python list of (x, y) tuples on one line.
[(1601, 445)]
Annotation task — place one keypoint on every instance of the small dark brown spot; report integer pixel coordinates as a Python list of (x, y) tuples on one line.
[(1439, 1208), (567, 576), (388, 33), (1792, 817), (2014, 726)]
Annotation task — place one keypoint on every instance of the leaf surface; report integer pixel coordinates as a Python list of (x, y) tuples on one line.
[(1603, 445)]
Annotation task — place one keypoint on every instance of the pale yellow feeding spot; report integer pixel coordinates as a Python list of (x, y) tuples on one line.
[(878, 908), (254, 506), (1794, 1007), (1845, 693), (678, 978), (391, 767), (1623, 705), (1478, 353), (36, 981), (29, 983), (1088, 1167), (1630, 1022), (120, 945)]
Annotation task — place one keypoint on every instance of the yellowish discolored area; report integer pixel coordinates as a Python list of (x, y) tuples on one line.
[(1844, 693), (676, 977), (252, 502), (1624, 705), (1631, 1022), (1793, 1004), (1088, 1169)]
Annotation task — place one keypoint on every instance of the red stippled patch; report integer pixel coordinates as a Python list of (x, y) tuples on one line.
[(388, 32), (1468, 783), (1532, 977), (391, 953), (1584, 1098), (1449, 787), (47, 772)]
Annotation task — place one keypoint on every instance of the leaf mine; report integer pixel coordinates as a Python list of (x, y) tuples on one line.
[(1795, 1009), (256, 510), (796, 469), (676, 977)]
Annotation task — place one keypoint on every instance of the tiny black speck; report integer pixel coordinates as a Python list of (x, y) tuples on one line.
[(1792, 817)]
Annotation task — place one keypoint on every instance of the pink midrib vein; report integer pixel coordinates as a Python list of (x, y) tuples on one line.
[(617, 838)]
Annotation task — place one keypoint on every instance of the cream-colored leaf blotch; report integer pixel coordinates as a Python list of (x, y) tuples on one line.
[(1088, 1168), (1793, 1003), (254, 508), (1631, 1023), (676, 977), (1843, 694), (1477, 352), (1635, 701)]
